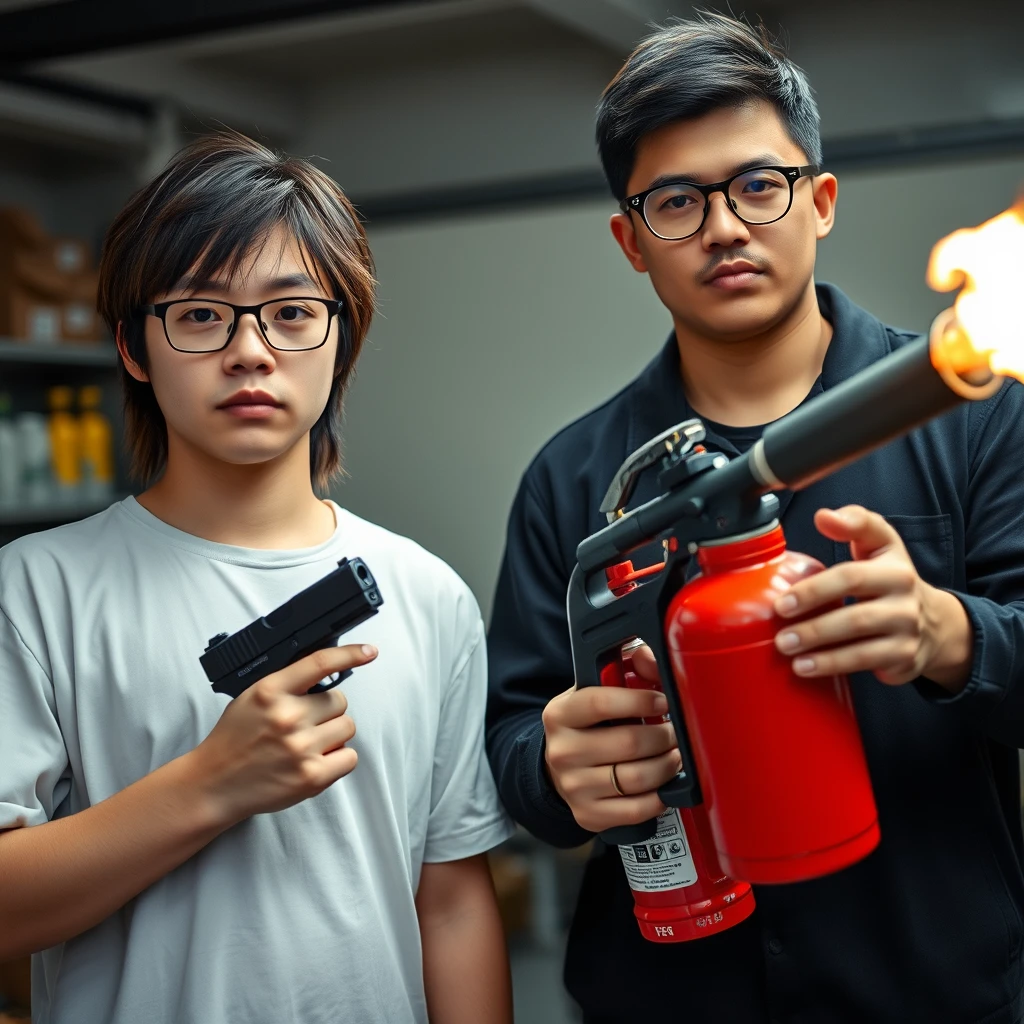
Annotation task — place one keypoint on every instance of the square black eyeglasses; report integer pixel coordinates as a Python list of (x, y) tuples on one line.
[(296, 323), (677, 209)]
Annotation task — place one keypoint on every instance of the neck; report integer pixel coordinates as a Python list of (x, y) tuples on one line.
[(757, 379), (269, 505)]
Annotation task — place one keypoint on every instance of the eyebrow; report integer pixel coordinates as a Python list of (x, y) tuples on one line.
[(761, 160), (216, 287)]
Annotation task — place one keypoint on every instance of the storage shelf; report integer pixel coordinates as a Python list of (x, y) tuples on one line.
[(63, 512), (36, 353)]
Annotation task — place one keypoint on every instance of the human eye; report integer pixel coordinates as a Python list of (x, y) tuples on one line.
[(197, 315), (294, 311), (761, 182), (675, 201)]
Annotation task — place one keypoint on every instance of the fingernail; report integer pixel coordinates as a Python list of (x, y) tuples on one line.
[(660, 703), (786, 605), (802, 666), (787, 641), (369, 650)]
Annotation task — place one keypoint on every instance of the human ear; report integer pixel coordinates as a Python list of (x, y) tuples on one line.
[(625, 234), (130, 365), (825, 188)]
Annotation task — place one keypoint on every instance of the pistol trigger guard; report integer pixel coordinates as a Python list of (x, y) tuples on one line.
[(330, 684), (678, 439)]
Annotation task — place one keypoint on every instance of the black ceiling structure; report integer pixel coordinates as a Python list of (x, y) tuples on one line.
[(71, 28), (67, 28)]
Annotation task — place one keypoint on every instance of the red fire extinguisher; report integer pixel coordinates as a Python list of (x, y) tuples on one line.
[(679, 890), (772, 763), (780, 761)]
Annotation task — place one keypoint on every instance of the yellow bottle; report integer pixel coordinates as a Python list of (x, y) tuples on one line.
[(64, 443), (97, 446)]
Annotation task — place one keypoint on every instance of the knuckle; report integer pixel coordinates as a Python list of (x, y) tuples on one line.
[(262, 695), (861, 618), (309, 775), (295, 747), (905, 575), (809, 634), (638, 812), (283, 720), (550, 716), (323, 662), (629, 745), (852, 575), (602, 703), (571, 786), (556, 757)]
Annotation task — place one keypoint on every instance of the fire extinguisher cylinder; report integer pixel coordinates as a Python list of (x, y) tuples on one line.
[(779, 757)]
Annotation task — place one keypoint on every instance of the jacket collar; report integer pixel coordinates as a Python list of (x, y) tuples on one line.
[(658, 401)]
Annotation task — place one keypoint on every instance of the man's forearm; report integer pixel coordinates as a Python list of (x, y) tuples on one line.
[(465, 962), (62, 878)]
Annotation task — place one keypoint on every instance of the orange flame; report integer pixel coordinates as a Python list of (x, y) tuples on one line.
[(987, 264)]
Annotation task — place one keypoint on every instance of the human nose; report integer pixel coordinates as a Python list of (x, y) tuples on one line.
[(248, 348), (721, 225)]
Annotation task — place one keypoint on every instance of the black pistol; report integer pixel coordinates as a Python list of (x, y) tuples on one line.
[(311, 620)]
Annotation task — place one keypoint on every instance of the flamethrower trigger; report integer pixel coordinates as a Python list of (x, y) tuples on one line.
[(311, 620)]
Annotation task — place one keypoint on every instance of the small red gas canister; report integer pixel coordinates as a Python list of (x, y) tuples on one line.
[(780, 760)]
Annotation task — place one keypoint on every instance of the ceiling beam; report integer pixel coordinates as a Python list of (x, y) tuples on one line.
[(72, 27), (616, 24)]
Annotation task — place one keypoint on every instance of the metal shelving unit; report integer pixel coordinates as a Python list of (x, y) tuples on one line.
[(56, 512), (99, 354), (35, 365)]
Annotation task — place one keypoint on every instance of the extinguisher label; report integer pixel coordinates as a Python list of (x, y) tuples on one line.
[(664, 861)]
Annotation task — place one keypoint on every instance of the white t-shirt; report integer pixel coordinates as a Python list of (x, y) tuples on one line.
[(302, 915)]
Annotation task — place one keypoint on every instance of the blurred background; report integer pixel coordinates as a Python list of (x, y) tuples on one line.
[(463, 131)]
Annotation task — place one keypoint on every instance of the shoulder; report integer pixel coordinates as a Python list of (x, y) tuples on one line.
[(50, 556)]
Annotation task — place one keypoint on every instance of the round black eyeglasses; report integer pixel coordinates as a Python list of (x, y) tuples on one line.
[(292, 324), (678, 209)]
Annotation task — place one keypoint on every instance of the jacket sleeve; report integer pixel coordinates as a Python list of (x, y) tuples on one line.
[(529, 662), (994, 562)]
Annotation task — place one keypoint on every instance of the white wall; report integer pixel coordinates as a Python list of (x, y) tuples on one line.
[(494, 332), (497, 330)]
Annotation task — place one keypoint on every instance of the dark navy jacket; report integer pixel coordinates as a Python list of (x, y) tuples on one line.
[(928, 927)]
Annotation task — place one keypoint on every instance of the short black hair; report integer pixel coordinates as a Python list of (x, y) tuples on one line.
[(215, 203), (690, 68)]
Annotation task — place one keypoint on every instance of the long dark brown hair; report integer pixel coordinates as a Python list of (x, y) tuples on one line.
[(214, 204)]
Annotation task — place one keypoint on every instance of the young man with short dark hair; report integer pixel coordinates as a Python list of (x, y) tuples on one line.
[(709, 139), (190, 858)]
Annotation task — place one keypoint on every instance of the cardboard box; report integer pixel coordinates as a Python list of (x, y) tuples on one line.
[(47, 284), (50, 315)]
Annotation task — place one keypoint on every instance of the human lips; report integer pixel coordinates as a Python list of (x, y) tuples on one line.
[(738, 274), (250, 404)]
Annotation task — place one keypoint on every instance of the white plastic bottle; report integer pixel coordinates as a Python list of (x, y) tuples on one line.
[(10, 457), (36, 474)]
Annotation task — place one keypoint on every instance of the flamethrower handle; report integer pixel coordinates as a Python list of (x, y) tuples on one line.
[(599, 623)]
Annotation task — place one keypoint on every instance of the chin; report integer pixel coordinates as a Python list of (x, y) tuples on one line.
[(738, 318)]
